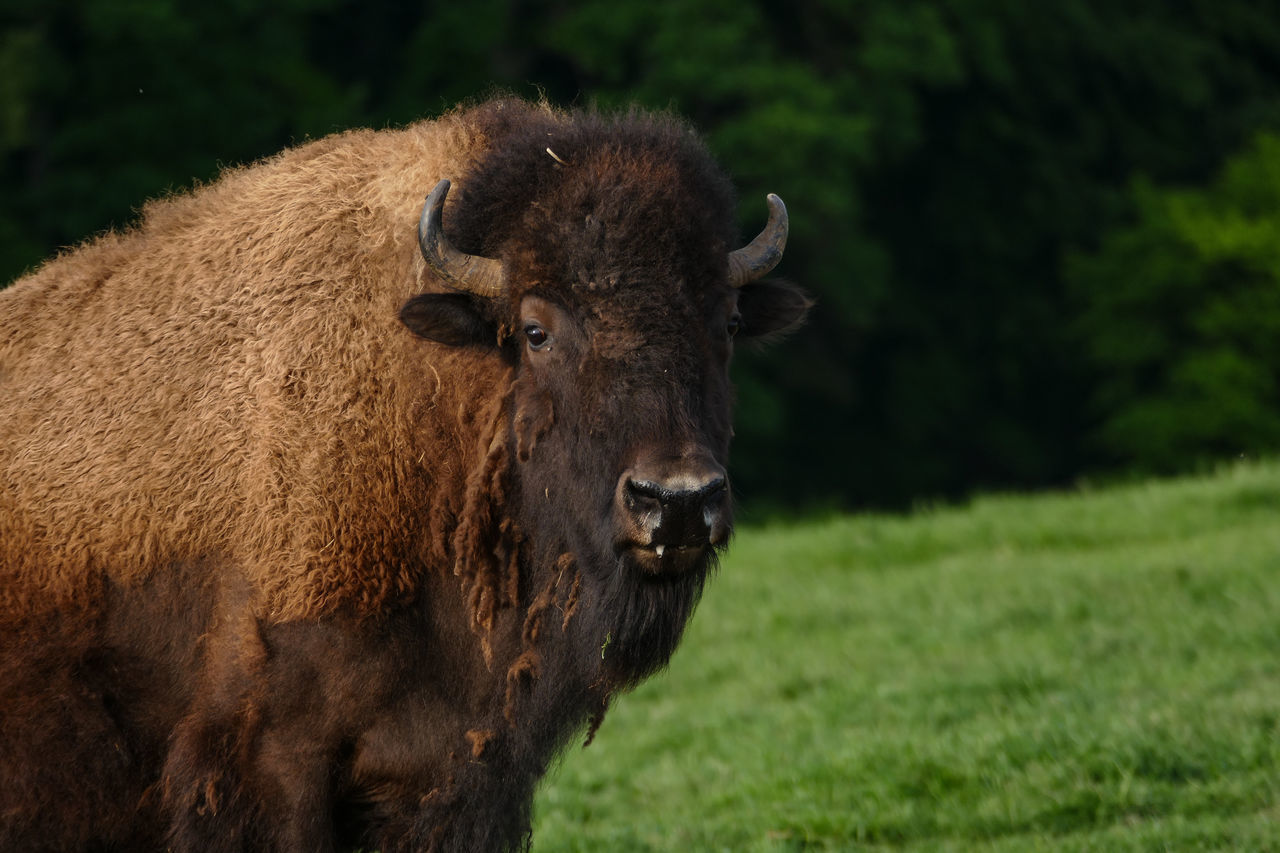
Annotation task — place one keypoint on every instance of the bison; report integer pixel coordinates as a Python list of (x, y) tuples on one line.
[(326, 524)]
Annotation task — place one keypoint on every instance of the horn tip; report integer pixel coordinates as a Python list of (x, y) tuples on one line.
[(440, 190)]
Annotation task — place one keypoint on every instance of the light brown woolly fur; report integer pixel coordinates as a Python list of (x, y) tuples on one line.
[(230, 377)]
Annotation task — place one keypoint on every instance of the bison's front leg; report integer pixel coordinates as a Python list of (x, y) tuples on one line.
[(425, 778), (251, 765), (234, 785)]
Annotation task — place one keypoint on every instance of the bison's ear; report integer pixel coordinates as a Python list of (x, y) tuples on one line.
[(770, 309), (453, 319)]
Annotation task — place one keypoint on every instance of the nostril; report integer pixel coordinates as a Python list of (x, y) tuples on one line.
[(646, 490), (714, 489), (645, 501), (715, 511)]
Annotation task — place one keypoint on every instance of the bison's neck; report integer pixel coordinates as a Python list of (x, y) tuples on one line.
[(470, 728), (507, 699)]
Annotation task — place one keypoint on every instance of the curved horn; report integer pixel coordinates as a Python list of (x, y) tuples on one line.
[(762, 254), (472, 273)]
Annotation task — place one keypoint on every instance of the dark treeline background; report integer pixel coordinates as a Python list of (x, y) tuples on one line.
[(1044, 237)]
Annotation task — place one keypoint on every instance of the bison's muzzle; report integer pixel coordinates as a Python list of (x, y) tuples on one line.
[(673, 511)]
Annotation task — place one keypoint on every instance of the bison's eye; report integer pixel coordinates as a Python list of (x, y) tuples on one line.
[(537, 336), (735, 322)]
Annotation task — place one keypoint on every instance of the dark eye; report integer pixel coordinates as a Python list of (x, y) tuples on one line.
[(735, 322), (537, 336)]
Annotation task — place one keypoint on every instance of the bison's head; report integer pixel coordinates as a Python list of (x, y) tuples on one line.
[(601, 265)]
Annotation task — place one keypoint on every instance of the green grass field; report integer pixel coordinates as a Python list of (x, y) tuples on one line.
[(1097, 670)]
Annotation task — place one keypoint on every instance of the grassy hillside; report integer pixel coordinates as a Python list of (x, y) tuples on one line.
[(1097, 670)]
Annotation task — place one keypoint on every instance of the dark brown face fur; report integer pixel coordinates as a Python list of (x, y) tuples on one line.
[(607, 419), (619, 321)]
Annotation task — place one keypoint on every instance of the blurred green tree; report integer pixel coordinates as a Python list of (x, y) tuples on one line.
[(1180, 319), (106, 103)]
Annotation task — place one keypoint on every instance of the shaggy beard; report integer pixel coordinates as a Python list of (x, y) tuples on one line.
[(642, 618)]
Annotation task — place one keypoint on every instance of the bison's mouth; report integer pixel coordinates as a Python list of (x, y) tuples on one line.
[(669, 560)]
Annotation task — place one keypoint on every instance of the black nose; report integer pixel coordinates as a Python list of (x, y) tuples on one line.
[(684, 507)]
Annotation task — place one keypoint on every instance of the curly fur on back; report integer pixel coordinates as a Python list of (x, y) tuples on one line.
[(230, 378)]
